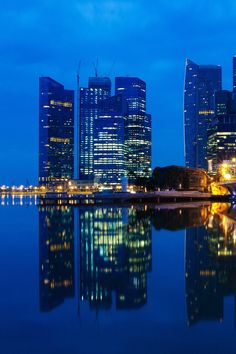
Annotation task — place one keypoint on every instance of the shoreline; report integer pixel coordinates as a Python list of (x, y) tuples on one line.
[(157, 198), (121, 198)]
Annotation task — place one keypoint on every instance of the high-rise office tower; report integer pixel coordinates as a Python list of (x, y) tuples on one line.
[(56, 131), (109, 139), (222, 132), (99, 88), (234, 74), (201, 83), (137, 127)]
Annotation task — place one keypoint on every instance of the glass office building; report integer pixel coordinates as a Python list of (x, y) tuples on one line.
[(99, 88), (201, 83), (56, 131), (109, 147), (234, 74), (222, 133), (137, 127)]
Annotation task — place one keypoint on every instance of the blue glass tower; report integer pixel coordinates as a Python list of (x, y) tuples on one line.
[(137, 127), (201, 83), (109, 139), (234, 74), (56, 131), (99, 88)]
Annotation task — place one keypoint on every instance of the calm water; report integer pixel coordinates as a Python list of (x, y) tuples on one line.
[(117, 280)]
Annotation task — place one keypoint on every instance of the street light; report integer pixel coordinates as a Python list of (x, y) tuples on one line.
[(227, 176)]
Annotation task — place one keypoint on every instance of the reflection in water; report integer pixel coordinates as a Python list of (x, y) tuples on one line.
[(210, 265), (56, 255), (179, 217), (115, 256)]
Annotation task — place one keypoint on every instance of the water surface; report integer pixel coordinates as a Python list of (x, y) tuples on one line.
[(117, 280)]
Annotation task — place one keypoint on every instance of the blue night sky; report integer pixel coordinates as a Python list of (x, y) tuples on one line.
[(149, 39)]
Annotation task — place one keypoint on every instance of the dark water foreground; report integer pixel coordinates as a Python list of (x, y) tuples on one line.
[(117, 280)]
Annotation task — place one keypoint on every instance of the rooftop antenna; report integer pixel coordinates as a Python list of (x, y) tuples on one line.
[(95, 65)]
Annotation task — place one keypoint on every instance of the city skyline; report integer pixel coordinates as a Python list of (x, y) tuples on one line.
[(111, 138), (118, 176), (71, 144), (26, 57)]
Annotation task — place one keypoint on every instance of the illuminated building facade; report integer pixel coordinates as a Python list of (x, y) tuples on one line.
[(56, 131), (109, 141), (99, 88), (234, 74), (56, 256), (115, 255), (137, 127), (222, 132), (201, 83)]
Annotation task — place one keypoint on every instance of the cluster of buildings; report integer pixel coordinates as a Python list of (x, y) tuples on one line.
[(114, 131), (209, 118)]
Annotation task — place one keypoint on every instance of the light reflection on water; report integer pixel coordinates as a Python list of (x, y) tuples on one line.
[(115, 262), (115, 246)]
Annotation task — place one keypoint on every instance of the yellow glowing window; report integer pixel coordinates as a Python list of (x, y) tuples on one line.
[(60, 140), (206, 113), (62, 104)]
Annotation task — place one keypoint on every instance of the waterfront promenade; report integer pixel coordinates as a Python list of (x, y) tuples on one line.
[(128, 198)]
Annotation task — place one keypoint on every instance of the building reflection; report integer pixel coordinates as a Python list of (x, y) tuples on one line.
[(180, 217), (115, 256), (210, 265), (56, 256)]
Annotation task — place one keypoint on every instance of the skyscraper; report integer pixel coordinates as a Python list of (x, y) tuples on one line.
[(109, 139), (137, 127), (234, 74), (56, 131), (222, 132), (201, 83), (99, 88)]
